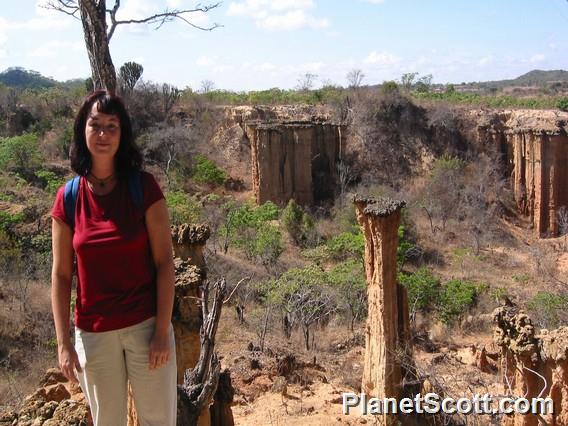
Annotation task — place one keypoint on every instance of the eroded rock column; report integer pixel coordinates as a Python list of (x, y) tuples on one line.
[(190, 271), (387, 323), (188, 242), (532, 365)]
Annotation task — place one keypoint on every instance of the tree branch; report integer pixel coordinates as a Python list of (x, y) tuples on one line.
[(69, 7), (112, 14), (161, 18)]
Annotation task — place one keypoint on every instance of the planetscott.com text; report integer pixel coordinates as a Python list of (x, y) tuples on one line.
[(432, 403)]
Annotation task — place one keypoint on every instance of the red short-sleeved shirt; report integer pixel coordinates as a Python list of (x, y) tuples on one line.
[(115, 270)]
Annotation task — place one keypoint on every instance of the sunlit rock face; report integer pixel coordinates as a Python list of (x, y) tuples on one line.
[(532, 365), (535, 148), (294, 152)]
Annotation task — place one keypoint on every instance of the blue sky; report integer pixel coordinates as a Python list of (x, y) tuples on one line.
[(272, 43)]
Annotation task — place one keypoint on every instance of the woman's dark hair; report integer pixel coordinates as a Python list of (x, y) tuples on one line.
[(128, 157)]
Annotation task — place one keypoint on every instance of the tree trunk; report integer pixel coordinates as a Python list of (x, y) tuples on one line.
[(93, 17)]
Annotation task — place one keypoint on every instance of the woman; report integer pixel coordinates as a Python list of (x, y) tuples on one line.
[(125, 273)]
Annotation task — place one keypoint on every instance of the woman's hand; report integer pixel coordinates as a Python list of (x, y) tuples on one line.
[(68, 361), (159, 350)]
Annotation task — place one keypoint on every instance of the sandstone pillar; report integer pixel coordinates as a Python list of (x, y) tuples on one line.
[(532, 365), (387, 322), (190, 270), (188, 242)]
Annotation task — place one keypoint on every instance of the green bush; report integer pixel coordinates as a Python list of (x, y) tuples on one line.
[(298, 224), (249, 229), (183, 208), (348, 279), (206, 171), (10, 255), (20, 154), (8, 220), (63, 141), (423, 289), (51, 181), (562, 104), (262, 244), (456, 297), (549, 310), (346, 245), (405, 247)]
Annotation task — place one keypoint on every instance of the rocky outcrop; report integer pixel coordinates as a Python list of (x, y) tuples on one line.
[(187, 316), (189, 241), (56, 402), (535, 145), (532, 365), (294, 153), (386, 334)]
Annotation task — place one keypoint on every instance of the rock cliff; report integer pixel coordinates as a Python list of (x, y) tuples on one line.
[(294, 152), (535, 146), (532, 365)]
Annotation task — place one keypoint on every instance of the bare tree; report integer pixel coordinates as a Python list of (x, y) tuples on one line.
[(168, 147), (306, 81), (354, 78), (345, 177), (207, 86), (170, 94), (562, 217), (94, 15)]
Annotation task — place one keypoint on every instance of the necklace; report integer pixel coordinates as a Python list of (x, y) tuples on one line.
[(101, 182)]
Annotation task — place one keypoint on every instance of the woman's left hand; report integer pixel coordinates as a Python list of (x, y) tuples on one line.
[(159, 350)]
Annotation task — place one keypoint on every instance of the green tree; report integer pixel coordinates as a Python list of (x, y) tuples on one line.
[(423, 290), (206, 171), (456, 297), (348, 279), (182, 207), (20, 154), (129, 74), (303, 296), (297, 223)]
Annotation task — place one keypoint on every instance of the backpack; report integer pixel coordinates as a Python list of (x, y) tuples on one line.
[(72, 190)]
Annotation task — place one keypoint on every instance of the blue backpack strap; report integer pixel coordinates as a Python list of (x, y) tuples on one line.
[(135, 189), (70, 199)]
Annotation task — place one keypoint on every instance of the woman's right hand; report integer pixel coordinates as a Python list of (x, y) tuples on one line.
[(68, 361)]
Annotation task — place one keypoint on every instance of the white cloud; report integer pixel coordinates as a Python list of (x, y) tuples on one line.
[(292, 20), (381, 58), (486, 60), (313, 66), (3, 35), (205, 61), (539, 57), (52, 48), (135, 9), (267, 66), (279, 14), (175, 4)]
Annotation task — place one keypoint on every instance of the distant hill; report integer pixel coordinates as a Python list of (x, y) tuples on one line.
[(534, 78), (22, 78), (540, 78)]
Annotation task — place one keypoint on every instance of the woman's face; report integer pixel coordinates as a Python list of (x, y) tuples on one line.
[(102, 133)]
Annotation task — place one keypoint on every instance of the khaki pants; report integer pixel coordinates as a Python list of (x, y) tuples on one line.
[(110, 359)]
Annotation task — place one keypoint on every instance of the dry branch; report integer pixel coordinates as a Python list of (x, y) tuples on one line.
[(200, 383)]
